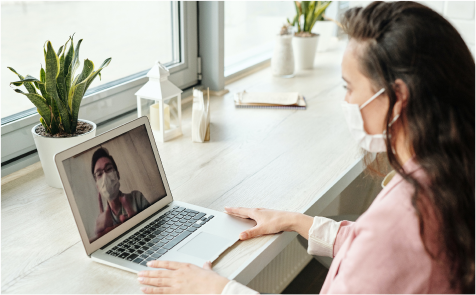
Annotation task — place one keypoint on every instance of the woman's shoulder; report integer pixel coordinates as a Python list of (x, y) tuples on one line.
[(393, 211), (392, 225), (399, 192)]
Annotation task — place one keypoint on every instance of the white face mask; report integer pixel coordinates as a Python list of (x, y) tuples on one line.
[(108, 185), (374, 143)]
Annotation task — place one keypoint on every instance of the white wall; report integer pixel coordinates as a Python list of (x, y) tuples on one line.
[(458, 13)]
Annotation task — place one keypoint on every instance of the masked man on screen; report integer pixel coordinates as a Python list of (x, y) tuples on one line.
[(119, 206)]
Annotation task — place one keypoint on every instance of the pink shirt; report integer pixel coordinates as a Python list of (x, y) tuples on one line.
[(382, 251)]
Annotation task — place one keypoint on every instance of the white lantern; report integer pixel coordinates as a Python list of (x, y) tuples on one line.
[(166, 113)]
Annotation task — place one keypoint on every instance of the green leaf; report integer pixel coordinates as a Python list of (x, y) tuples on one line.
[(80, 87), (310, 15), (42, 75), (29, 78), (67, 65), (88, 68), (60, 50), (72, 69), (75, 62), (29, 87), (45, 125), (319, 12), (304, 8), (91, 78), (296, 19), (42, 88), (13, 70), (71, 90), (40, 103), (76, 103), (60, 81), (56, 120), (54, 127), (52, 72)]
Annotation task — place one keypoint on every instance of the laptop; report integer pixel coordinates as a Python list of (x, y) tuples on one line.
[(122, 204)]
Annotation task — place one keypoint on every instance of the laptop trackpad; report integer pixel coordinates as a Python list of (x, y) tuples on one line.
[(206, 246)]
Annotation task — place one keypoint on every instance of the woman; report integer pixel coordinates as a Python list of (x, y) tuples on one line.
[(410, 92)]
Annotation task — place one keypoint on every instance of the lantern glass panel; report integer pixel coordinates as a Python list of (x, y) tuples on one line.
[(174, 110)]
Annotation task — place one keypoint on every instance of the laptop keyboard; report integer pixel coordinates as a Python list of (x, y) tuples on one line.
[(160, 235)]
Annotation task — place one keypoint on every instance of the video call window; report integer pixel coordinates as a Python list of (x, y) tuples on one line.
[(114, 181)]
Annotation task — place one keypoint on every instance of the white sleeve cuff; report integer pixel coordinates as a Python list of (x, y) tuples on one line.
[(322, 236), (233, 287)]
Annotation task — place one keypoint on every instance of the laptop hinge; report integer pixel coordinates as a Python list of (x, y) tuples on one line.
[(139, 224)]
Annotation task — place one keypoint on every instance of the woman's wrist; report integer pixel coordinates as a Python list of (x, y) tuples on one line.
[(300, 223)]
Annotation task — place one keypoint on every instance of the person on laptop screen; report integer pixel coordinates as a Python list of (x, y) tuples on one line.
[(119, 206)]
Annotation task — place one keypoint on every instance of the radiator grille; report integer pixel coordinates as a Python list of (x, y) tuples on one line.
[(277, 275)]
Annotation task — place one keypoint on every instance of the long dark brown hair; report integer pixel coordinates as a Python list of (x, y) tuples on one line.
[(411, 42)]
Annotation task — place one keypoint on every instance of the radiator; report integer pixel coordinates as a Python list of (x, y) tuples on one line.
[(277, 275)]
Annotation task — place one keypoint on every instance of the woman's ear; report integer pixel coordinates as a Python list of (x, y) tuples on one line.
[(402, 93)]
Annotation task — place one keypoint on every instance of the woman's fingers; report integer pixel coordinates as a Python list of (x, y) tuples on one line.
[(238, 210), (165, 264), (207, 265), (155, 274), (157, 290), (158, 282), (237, 215), (251, 233)]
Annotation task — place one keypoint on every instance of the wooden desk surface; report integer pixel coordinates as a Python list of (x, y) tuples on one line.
[(280, 159)]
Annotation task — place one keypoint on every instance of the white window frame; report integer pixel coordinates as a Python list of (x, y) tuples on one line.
[(111, 104), (263, 59)]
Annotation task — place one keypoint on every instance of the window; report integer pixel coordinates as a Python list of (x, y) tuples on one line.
[(133, 33), (250, 31)]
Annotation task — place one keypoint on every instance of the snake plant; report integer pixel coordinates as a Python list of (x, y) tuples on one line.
[(311, 11), (60, 90)]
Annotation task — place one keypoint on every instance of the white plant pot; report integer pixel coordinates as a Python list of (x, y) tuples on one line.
[(325, 30), (282, 62), (304, 52), (48, 146)]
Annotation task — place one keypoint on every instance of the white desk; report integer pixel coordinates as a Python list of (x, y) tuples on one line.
[(279, 159)]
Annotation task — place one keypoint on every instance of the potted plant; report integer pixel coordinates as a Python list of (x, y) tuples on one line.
[(304, 41), (58, 101)]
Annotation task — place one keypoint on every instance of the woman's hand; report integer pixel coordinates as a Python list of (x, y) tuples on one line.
[(181, 278), (272, 221)]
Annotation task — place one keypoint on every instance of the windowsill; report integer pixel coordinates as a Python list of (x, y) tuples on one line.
[(26, 157), (249, 59), (16, 164)]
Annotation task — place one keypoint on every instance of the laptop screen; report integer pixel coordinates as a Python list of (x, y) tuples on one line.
[(114, 181)]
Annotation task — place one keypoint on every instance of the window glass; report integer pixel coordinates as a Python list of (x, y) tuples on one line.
[(134, 34), (251, 28)]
